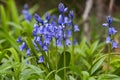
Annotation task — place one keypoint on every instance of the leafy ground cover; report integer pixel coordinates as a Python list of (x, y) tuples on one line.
[(45, 48)]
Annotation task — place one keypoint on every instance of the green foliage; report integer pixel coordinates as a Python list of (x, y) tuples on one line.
[(89, 57)]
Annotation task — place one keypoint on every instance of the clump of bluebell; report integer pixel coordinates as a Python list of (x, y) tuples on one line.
[(111, 32), (51, 28)]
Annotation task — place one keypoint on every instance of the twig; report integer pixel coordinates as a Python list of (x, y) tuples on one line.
[(85, 16)]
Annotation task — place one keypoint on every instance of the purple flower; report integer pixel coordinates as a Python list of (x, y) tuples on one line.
[(69, 33), (114, 44), (105, 24), (60, 19), (109, 20), (67, 42), (45, 47), (47, 16), (66, 20), (23, 46), (62, 8), (19, 39), (59, 42), (41, 59), (28, 53), (108, 39), (26, 13), (75, 42), (112, 30), (38, 19), (76, 28), (28, 16), (71, 14), (26, 6)]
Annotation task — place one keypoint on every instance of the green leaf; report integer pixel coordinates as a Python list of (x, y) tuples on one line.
[(108, 77), (13, 53), (97, 64), (15, 25), (4, 18), (57, 77), (13, 10), (85, 75), (71, 78), (61, 63)]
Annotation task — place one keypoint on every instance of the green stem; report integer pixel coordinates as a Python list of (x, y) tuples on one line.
[(109, 57), (72, 55), (64, 46), (56, 56), (64, 62)]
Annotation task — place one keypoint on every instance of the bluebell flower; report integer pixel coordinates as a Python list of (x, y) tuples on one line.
[(66, 20), (23, 46), (105, 24), (69, 33), (108, 39), (67, 41), (45, 47), (47, 16), (35, 45), (59, 42), (26, 13), (28, 53), (71, 14), (41, 59), (19, 39), (26, 6), (114, 44), (28, 17), (76, 28), (38, 39), (109, 20), (60, 19), (112, 30), (62, 8), (75, 42), (38, 19)]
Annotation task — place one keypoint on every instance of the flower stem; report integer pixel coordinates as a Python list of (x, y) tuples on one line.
[(64, 46), (72, 55), (64, 62), (109, 57), (56, 56)]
